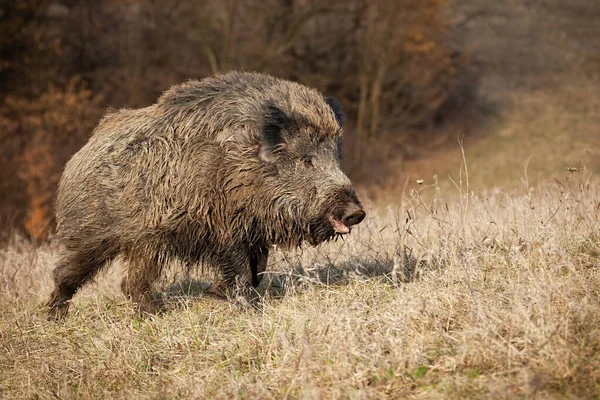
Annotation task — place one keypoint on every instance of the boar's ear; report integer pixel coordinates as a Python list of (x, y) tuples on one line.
[(272, 139), (337, 109)]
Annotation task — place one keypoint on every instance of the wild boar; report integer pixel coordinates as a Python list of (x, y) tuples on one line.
[(216, 172)]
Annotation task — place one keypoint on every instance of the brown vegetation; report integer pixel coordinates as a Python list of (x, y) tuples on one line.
[(51, 128)]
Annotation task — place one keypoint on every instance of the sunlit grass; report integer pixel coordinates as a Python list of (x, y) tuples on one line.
[(493, 294)]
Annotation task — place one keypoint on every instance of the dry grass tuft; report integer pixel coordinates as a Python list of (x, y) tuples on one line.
[(493, 295)]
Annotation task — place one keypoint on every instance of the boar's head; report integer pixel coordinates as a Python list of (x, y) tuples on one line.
[(303, 151)]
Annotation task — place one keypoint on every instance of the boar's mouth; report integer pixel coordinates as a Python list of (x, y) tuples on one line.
[(320, 231), (328, 226), (337, 218), (338, 226)]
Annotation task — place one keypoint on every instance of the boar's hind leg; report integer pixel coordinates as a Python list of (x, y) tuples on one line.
[(74, 269), (137, 285)]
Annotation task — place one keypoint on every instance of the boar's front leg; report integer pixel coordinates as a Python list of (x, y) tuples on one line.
[(242, 272), (258, 264)]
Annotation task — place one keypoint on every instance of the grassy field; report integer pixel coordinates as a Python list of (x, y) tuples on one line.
[(488, 295)]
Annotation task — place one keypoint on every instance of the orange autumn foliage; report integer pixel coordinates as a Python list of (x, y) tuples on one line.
[(53, 126)]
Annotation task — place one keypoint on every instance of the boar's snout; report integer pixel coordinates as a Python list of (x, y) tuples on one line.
[(353, 216)]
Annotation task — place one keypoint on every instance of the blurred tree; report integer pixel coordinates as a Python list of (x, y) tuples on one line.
[(407, 68), (26, 48)]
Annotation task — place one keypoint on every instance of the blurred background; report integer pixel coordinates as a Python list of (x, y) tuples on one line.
[(518, 82)]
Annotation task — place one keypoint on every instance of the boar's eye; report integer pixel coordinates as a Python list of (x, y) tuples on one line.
[(308, 161)]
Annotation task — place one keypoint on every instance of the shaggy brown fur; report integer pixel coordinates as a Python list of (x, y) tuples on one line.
[(217, 171)]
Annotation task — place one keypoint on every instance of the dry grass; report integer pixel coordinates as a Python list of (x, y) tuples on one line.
[(493, 295)]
